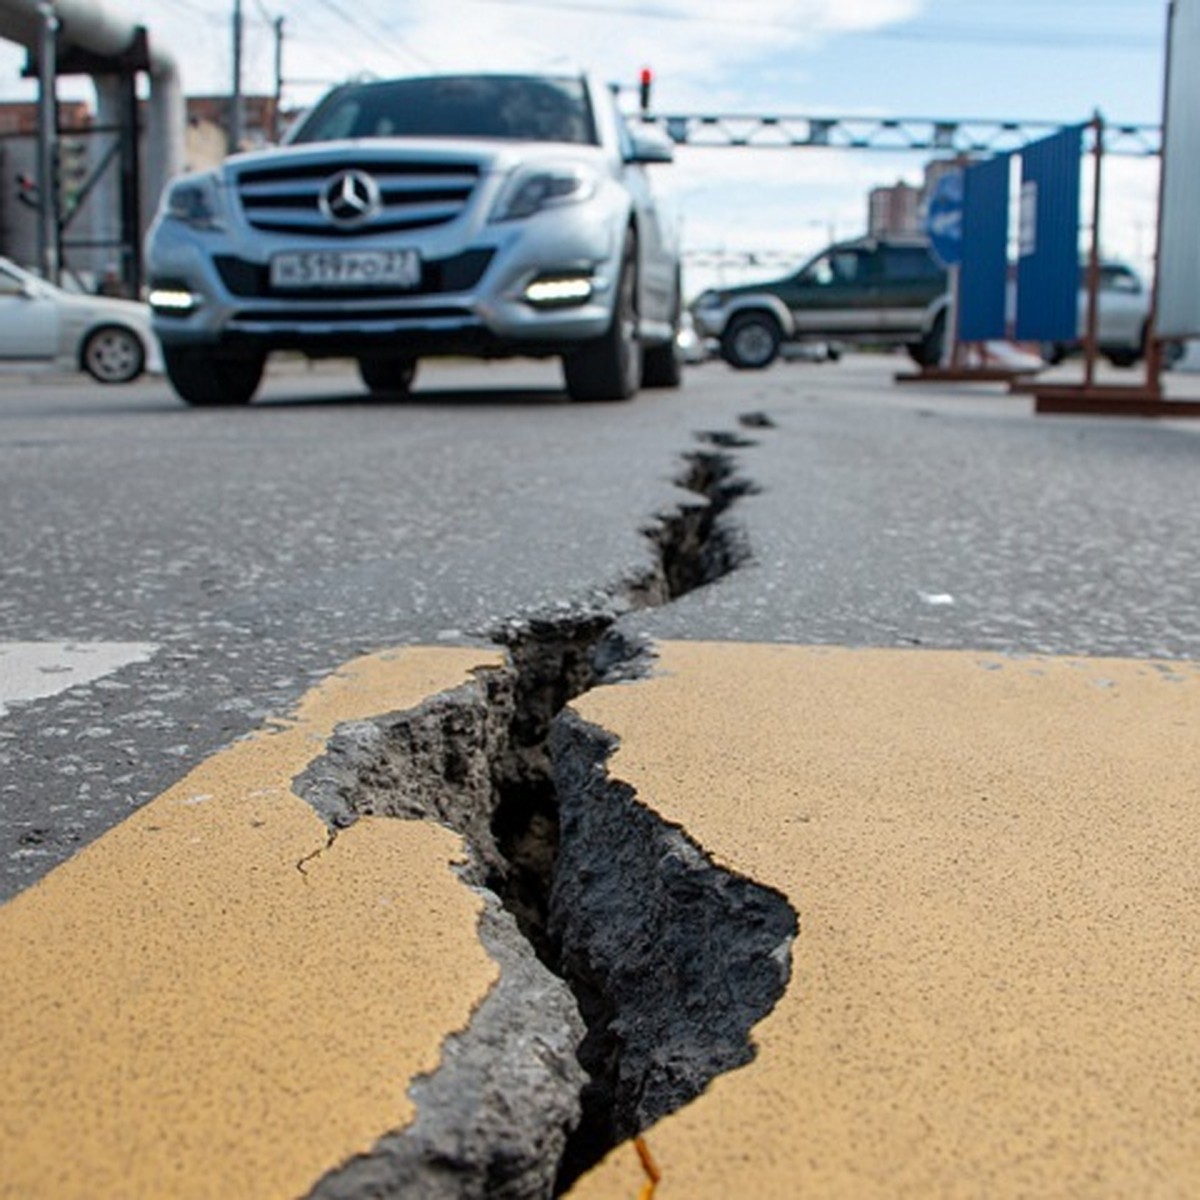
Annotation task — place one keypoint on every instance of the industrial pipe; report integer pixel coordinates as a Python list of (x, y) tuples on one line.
[(87, 25)]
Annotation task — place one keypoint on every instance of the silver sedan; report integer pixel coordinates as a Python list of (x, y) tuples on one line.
[(41, 324)]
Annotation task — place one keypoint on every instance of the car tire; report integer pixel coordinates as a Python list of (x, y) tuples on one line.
[(113, 354), (928, 351), (1123, 358), (387, 376), (205, 378), (751, 341), (610, 366), (1053, 353), (662, 366)]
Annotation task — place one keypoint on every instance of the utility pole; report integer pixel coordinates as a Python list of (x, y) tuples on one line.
[(276, 125), (235, 102), (48, 142)]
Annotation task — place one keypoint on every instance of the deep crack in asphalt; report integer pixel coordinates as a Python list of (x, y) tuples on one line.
[(632, 967)]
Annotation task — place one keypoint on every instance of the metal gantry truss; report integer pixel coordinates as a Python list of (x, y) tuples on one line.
[(954, 137)]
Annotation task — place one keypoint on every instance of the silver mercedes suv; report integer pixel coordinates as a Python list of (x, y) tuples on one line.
[(486, 215)]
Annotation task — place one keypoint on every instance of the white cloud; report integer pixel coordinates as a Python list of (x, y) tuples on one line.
[(866, 14), (695, 47), (699, 49), (704, 52)]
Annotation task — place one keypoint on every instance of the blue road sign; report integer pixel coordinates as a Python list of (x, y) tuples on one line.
[(944, 219)]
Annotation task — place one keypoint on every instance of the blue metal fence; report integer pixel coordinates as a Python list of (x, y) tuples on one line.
[(1047, 299), (982, 280)]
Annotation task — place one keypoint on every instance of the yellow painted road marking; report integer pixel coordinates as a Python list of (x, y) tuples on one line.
[(185, 1013), (996, 984), (994, 991)]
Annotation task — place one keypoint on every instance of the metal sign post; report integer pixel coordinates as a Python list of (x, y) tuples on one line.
[(48, 256), (1090, 338)]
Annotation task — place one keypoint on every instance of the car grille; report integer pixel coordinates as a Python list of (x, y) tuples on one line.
[(414, 195), (355, 319), (457, 274)]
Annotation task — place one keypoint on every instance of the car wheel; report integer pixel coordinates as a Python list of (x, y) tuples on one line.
[(610, 366), (1053, 353), (387, 376), (113, 354), (751, 341), (1123, 358), (207, 379), (662, 366)]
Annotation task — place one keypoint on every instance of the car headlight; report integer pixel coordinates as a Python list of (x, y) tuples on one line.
[(196, 201), (536, 188)]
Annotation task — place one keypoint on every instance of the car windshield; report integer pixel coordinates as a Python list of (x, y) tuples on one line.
[(517, 107)]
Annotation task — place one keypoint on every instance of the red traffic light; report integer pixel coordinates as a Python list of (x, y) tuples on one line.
[(28, 192), (644, 81)]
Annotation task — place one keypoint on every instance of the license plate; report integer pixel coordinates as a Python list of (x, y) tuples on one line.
[(346, 269)]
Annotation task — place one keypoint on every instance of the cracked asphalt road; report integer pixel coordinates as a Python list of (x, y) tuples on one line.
[(212, 566), (257, 550)]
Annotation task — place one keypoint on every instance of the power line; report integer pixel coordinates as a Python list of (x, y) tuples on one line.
[(267, 18), (983, 33), (373, 35), (196, 10)]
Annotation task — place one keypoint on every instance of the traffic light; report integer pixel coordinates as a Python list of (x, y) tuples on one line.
[(71, 170), (644, 82), (27, 191)]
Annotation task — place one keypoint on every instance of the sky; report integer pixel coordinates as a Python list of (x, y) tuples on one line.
[(1058, 61)]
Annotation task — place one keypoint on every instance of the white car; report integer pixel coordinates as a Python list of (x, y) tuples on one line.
[(1122, 313), (44, 325)]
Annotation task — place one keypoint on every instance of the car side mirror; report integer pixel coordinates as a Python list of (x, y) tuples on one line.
[(651, 146)]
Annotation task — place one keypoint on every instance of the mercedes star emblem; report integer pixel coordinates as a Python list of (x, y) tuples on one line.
[(350, 198)]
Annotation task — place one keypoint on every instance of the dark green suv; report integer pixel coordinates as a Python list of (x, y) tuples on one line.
[(870, 290)]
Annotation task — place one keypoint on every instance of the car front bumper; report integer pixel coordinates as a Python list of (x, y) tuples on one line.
[(473, 294)]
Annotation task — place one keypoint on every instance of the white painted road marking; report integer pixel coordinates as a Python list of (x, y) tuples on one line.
[(35, 670)]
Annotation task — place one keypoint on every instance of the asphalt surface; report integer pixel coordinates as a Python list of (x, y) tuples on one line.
[(882, 866), (953, 518), (239, 556), (257, 550)]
